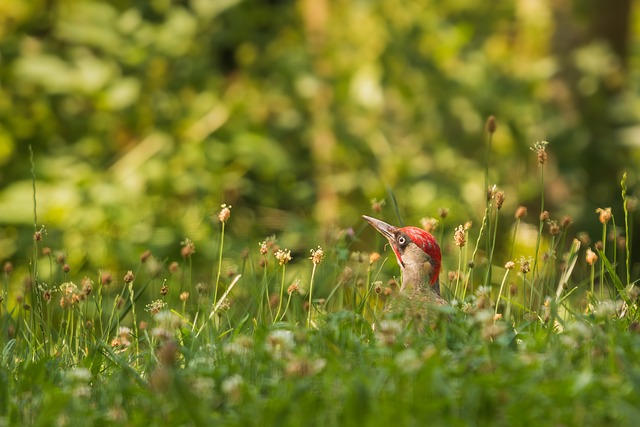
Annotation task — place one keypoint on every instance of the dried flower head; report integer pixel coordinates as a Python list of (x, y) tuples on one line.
[(491, 124), (87, 286), (155, 306), (605, 214), (521, 212), (124, 333), (184, 296), (429, 224), (39, 234), (225, 213), (525, 265), (232, 271), (7, 268), (293, 287), (483, 297), (544, 216), (377, 205), (540, 148), (188, 248), (591, 257), (304, 367), (174, 267), (66, 268), (346, 274), (554, 228), (69, 294), (144, 256), (491, 192), (61, 258), (274, 300), (584, 238), (621, 241), (264, 250), (443, 212), (317, 255), (566, 221), (513, 290), (164, 290), (459, 237), (128, 278), (509, 265), (373, 257), (467, 225), (106, 278), (357, 256), (202, 289), (499, 199), (283, 256)]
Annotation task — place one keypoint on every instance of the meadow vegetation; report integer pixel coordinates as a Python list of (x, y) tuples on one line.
[(558, 339), (181, 194)]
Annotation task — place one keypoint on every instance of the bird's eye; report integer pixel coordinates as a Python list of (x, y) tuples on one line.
[(402, 240)]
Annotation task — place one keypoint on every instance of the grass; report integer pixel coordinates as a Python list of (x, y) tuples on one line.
[(546, 344)]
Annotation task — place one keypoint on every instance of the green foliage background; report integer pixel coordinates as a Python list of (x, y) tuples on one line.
[(145, 116)]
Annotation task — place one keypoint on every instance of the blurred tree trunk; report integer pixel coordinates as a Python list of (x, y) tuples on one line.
[(599, 153), (315, 15), (611, 21)]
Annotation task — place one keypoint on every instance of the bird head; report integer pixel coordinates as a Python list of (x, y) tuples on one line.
[(416, 250)]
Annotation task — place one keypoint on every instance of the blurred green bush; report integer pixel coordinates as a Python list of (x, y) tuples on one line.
[(144, 116)]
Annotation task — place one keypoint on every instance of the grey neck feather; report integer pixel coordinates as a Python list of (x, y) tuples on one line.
[(415, 275)]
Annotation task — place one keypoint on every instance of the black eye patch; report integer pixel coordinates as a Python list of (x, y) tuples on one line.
[(402, 240)]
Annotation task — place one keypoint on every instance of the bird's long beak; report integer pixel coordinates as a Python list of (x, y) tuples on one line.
[(387, 230)]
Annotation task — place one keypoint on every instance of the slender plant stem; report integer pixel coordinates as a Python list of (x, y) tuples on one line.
[(540, 227), (513, 242), (504, 280), (627, 236), (286, 307), (488, 206), (455, 294), (524, 278), (491, 249), (277, 316), (264, 306), (215, 295), (36, 312), (313, 274), (135, 321), (615, 241), (604, 246), (114, 308), (475, 250)]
